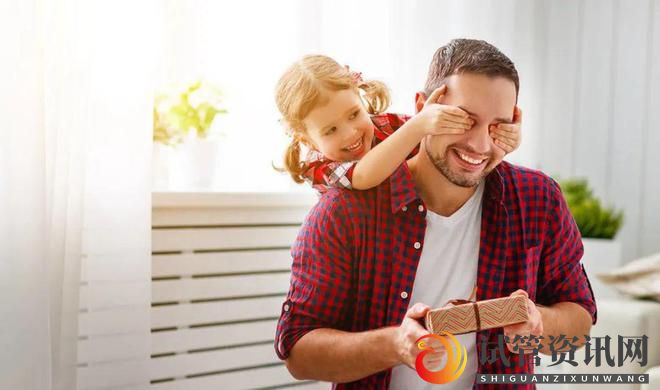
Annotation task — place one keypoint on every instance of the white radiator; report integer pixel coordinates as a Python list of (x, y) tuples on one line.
[(220, 273)]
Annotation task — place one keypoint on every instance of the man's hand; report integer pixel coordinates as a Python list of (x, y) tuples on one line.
[(533, 326), (409, 332), (438, 119)]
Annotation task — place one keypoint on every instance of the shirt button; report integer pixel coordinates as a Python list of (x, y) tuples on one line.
[(404, 295), (417, 245), (420, 208), (404, 208), (286, 307)]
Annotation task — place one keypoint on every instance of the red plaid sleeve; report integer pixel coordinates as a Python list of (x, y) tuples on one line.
[(563, 277), (323, 174), (320, 285)]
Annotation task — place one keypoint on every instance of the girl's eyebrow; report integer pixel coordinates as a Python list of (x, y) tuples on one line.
[(355, 107)]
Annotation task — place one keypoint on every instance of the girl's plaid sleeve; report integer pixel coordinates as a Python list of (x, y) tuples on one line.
[(323, 174)]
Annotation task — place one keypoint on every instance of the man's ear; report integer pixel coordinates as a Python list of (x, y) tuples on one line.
[(420, 99)]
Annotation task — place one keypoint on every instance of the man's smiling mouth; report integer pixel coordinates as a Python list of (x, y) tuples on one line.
[(469, 159)]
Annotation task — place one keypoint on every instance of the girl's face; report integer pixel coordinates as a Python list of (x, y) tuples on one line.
[(341, 129)]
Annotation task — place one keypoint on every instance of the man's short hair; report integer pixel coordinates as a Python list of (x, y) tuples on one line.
[(469, 56)]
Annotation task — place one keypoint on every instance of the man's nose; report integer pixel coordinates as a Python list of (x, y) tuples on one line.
[(479, 139)]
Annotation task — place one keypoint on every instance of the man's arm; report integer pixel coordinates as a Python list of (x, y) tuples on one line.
[(564, 318), (564, 301), (337, 356), (571, 308)]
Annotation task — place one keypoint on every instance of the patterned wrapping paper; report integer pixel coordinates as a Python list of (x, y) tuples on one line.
[(492, 313)]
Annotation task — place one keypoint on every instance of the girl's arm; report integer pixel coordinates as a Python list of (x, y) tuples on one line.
[(434, 119), (380, 162), (376, 166)]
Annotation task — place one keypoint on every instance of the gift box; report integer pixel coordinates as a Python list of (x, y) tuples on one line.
[(466, 316)]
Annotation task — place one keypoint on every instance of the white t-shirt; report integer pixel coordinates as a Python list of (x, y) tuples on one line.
[(447, 270)]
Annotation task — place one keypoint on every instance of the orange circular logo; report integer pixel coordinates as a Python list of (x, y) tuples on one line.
[(456, 359)]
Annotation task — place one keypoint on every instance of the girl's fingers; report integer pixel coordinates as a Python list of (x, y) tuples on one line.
[(455, 111), (455, 119), (507, 148), (507, 128), (456, 125), (506, 140), (504, 136), (517, 115), (436, 95)]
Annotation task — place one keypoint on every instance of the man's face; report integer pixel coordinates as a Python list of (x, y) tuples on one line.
[(467, 158)]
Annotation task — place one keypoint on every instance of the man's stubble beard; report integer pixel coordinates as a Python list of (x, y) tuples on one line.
[(441, 164)]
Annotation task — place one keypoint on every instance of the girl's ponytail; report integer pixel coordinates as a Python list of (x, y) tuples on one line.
[(292, 163), (376, 94)]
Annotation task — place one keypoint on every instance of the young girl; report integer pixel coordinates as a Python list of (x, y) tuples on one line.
[(323, 107)]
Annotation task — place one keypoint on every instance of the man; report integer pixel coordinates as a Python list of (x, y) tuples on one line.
[(367, 265)]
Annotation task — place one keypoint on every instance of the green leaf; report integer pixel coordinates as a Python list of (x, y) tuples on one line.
[(172, 123), (593, 219)]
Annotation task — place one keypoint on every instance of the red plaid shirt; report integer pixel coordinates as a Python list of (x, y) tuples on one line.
[(324, 174), (357, 253)]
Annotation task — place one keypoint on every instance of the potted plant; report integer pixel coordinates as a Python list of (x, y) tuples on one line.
[(184, 132), (598, 226)]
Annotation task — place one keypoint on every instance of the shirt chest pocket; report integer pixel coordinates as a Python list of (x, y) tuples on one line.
[(530, 265)]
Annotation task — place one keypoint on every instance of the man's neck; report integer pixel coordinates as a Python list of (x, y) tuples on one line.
[(439, 194)]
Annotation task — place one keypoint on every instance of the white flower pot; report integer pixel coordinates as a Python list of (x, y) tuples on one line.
[(193, 165), (601, 255)]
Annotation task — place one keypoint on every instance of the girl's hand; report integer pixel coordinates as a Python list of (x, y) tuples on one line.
[(507, 135), (436, 118)]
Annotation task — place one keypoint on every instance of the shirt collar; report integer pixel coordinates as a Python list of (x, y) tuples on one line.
[(495, 183), (403, 188)]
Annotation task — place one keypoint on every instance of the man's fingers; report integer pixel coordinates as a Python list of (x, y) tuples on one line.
[(436, 95), (418, 310)]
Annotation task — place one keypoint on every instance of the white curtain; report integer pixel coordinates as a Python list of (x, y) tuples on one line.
[(243, 47), (75, 146)]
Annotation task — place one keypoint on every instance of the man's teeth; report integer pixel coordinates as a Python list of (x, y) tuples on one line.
[(470, 160), (355, 145)]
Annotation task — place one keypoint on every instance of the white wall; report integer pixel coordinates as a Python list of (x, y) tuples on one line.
[(599, 105)]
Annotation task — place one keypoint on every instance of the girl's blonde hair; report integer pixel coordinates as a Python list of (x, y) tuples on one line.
[(303, 87)]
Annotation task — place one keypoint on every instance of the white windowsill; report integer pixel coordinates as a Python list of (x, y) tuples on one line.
[(232, 199)]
